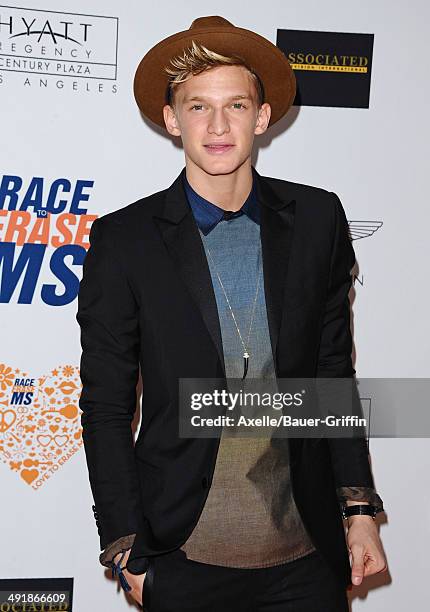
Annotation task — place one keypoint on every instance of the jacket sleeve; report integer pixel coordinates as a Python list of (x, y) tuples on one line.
[(349, 455), (368, 494), (109, 369)]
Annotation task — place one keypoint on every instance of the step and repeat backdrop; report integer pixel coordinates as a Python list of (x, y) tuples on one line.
[(74, 146)]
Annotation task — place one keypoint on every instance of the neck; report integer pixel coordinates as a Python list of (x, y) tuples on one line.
[(228, 191)]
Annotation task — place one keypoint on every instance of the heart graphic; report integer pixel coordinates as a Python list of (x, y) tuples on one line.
[(61, 440), (29, 475), (44, 433)]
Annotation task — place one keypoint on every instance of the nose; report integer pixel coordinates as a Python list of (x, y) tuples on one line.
[(218, 123)]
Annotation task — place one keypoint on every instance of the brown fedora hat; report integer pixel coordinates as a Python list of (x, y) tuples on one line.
[(217, 34)]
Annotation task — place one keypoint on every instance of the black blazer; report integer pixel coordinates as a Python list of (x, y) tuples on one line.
[(146, 299)]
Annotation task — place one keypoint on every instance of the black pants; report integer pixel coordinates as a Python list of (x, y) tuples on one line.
[(174, 583)]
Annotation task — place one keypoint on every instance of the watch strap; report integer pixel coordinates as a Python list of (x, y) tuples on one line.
[(367, 509)]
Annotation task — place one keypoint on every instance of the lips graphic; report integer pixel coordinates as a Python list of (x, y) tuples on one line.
[(67, 387)]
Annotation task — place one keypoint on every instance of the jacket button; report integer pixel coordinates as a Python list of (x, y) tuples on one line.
[(205, 482)]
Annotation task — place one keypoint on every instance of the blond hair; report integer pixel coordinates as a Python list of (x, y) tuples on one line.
[(196, 59)]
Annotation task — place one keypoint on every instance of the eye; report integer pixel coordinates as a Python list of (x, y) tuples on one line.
[(241, 104), (194, 105)]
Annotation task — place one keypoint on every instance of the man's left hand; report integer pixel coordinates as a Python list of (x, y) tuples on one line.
[(365, 546)]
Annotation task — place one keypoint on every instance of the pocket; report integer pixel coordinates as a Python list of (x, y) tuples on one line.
[(147, 587)]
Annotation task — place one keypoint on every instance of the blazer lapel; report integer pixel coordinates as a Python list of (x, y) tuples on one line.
[(276, 235), (180, 234)]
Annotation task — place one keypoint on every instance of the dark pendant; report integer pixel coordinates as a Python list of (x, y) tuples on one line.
[(245, 364)]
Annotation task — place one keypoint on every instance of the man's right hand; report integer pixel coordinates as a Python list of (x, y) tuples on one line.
[(134, 580)]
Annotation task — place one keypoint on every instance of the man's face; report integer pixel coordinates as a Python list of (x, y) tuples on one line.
[(217, 106)]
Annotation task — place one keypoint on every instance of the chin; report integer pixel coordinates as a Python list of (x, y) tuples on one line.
[(220, 166)]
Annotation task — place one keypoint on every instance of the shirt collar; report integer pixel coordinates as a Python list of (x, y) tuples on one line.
[(208, 215)]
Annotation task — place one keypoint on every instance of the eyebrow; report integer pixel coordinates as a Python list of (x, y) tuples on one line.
[(237, 97)]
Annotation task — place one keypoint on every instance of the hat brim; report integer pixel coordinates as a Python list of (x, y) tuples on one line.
[(265, 58)]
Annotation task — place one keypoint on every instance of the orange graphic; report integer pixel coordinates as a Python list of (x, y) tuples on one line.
[(40, 428)]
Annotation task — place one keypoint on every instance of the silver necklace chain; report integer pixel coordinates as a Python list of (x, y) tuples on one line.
[(245, 347)]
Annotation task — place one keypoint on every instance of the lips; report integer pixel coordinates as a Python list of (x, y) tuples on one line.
[(218, 148)]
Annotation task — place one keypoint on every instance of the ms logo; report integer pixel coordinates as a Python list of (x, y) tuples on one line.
[(39, 421)]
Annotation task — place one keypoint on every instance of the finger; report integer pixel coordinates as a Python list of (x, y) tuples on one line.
[(357, 569), (375, 565), (136, 582)]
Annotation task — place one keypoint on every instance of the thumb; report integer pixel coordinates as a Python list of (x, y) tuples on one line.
[(357, 570)]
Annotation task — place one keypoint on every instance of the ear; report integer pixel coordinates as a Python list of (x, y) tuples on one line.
[(263, 118), (172, 125)]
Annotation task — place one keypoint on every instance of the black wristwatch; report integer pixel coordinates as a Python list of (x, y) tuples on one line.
[(368, 509)]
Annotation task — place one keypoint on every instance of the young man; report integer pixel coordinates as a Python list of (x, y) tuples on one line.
[(224, 274)]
